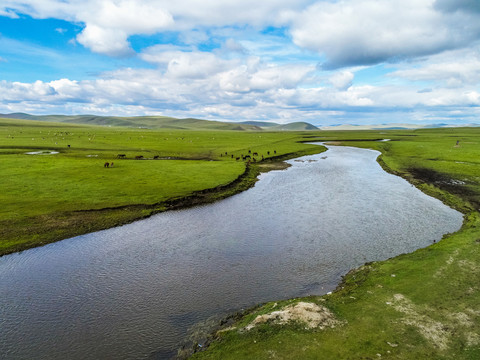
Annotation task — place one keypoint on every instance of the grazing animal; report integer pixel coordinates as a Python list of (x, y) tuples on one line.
[(138, 157), (247, 157), (226, 153), (458, 142), (68, 145), (255, 154), (111, 164), (238, 158), (268, 152), (274, 151), (156, 157), (121, 156), (232, 156), (106, 165)]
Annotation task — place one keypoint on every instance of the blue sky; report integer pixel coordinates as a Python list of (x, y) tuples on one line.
[(325, 62)]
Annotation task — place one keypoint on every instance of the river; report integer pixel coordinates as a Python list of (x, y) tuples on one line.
[(132, 292)]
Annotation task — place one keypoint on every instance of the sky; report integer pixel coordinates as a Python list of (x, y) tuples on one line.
[(326, 62)]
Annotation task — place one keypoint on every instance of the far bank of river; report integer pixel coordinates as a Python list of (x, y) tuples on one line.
[(134, 291)]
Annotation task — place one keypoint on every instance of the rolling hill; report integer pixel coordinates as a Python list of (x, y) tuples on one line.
[(163, 122)]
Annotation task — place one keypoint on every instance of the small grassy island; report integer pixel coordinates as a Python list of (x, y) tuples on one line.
[(425, 305)]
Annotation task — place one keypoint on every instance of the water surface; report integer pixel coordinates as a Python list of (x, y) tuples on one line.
[(135, 290)]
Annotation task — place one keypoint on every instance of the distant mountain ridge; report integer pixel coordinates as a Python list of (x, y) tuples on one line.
[(164, 122), (392, 126)]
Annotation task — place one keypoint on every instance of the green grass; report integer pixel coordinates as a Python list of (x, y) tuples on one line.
[(45, 198), (423, 305), (428, 310)]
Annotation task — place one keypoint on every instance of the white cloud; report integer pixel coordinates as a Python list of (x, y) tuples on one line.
[(347, 32), (116, 20), (342, 80), (233, 65), (106, 41), (453, 69), (366, 32), (108, 23)]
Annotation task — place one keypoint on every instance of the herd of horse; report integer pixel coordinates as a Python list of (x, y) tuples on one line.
[(249, 157)]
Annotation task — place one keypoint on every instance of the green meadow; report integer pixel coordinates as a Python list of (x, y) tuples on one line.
[(63, 188), (423, 305)]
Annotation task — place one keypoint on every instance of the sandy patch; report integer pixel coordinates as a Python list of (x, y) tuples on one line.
[(438, 333), (312, 315), (450, 261), (431, 330), (468, 265)]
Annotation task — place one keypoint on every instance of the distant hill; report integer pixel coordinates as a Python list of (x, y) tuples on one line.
[(163, 122), (295, 126), (392, 126), (150, 122), (262, 124)]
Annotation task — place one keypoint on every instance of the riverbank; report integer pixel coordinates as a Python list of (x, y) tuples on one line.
[(56, 184), (421, 305), (49, 228)]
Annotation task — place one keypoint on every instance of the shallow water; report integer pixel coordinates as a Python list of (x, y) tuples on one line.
[(134, 291)]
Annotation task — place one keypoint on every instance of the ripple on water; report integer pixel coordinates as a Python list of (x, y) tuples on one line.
[(133, 291)]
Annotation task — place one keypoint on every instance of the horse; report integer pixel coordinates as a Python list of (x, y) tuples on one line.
[(138, 157), (156, 157), (255, 154), (106, 165), (121, 156)]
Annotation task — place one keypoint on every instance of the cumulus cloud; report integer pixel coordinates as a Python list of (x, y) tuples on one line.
[(107, 41), (258, 60), (453, 69), (108, 27), (116, 20), (458, 5), (342, 80), (347, 32), (365, 32), (107, 23)]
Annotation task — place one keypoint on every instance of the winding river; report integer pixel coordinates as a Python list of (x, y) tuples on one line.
[(135, 290)]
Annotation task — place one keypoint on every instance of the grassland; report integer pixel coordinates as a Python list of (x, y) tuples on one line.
[(47, 197), (423, 305)]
